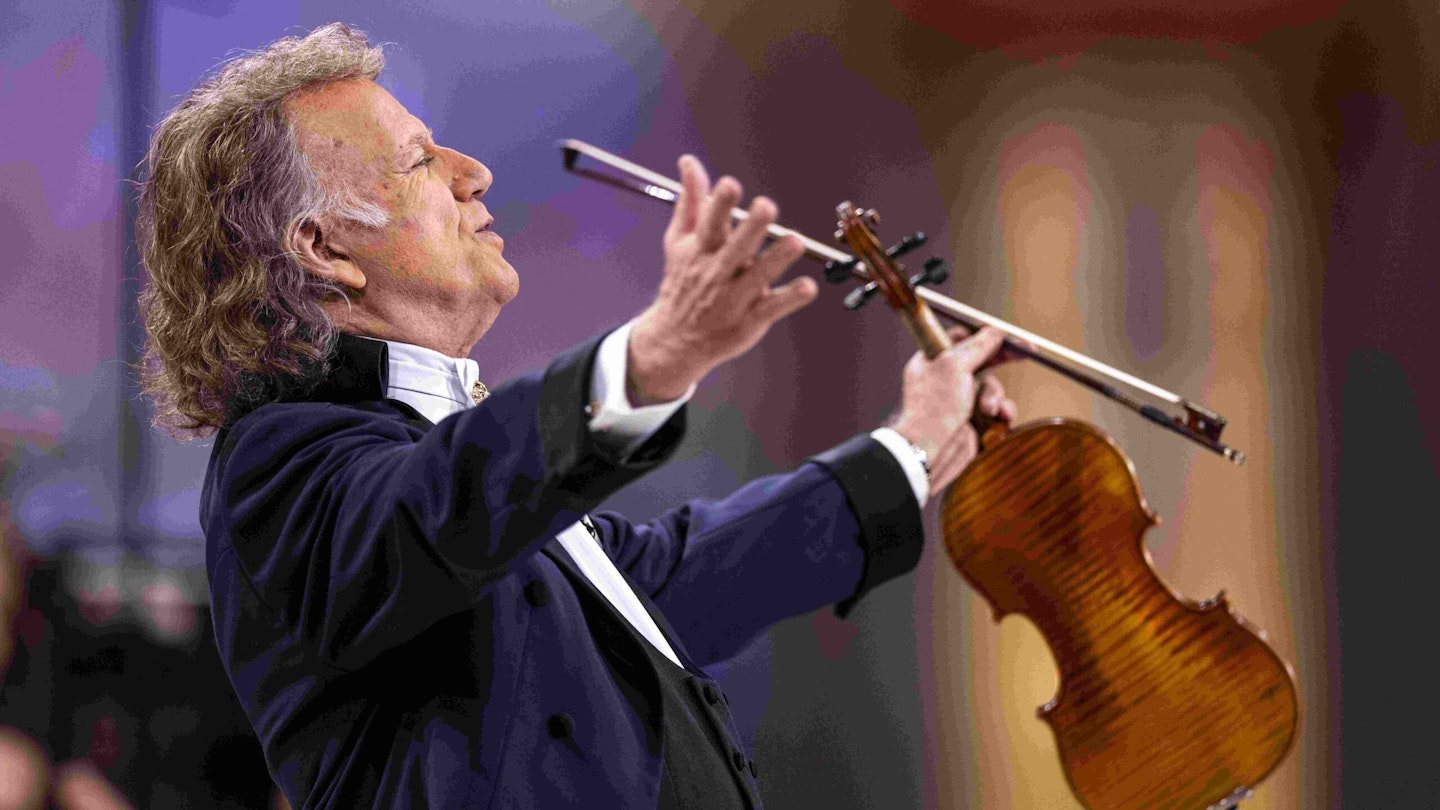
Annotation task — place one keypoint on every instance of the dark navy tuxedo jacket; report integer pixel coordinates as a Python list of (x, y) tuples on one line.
[(401, 627)]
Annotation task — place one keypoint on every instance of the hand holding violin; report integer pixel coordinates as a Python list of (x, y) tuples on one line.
[(940, 396)]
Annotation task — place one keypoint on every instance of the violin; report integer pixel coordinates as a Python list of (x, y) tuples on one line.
[(1164, 702)]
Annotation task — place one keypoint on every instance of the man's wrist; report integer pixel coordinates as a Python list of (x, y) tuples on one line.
[(614, 419), (911, 457), (652, 374)]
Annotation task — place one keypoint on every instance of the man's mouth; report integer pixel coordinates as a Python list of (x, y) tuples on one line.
[(487, 235)]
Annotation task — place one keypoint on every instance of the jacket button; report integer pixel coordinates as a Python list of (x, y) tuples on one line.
[(753, 773), (537, 594), (712, 695), (739, 760), (560, 726)]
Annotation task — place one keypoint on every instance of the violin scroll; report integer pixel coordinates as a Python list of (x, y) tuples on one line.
[(857, 228)]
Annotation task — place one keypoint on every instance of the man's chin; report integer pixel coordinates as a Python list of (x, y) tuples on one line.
[(507, 285)]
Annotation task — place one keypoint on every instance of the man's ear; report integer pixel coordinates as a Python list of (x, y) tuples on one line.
[(315, 253)]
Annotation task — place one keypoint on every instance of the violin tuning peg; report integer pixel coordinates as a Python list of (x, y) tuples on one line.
[(839, 235), (859, 296), (839, 272), (935, 270), (872, 216), (906, 245), (934, 273)]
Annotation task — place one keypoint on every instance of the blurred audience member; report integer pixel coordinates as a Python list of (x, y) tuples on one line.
[(79, 785), (24, 766), (24, 772)]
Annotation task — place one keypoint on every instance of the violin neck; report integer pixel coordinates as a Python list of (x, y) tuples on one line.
[(926, 329), (933, 339)]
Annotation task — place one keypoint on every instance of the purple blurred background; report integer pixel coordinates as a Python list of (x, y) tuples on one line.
[(1237, 204)]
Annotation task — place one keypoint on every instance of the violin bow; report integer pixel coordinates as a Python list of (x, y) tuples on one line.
[(1196, 422)]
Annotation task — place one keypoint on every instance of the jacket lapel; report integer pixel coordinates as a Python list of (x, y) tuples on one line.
[(597, 601), (591, 595), (621, 646)]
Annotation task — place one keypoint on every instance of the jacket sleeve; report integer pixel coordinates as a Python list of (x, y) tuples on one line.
[(721, 572), (358, 532)]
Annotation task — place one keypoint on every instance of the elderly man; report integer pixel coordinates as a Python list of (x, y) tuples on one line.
[(410, 600)]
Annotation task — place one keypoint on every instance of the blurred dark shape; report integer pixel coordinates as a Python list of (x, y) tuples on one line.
[(9, 588), (116, 674), (106, 748)]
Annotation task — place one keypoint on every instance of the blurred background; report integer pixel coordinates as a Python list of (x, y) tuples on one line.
[(1235, 200)]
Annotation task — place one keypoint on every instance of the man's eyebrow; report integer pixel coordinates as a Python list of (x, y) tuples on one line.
[(423, 138)]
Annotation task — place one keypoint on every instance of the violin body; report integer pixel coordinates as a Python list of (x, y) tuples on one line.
[(1163, 702)]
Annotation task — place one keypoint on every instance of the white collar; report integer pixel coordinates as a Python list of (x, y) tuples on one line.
[(431, 382)]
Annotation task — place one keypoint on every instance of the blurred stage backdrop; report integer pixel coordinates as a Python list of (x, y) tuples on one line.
[(1239, 204)]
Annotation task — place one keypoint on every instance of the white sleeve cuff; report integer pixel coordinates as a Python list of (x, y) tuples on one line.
[(904, 452), (614, 421)]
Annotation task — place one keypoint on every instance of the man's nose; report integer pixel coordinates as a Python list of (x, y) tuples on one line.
[(470, 178)]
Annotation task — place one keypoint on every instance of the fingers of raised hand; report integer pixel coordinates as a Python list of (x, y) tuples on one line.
[(773, 261), (713, 226), (778, 302), (750, 233), (694, 186)]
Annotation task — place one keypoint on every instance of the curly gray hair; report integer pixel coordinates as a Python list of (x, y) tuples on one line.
[(232, 320)]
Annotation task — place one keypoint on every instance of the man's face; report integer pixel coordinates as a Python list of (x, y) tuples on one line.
[(437, 248)]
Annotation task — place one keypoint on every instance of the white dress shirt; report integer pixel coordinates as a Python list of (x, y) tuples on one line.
[(438, 385)]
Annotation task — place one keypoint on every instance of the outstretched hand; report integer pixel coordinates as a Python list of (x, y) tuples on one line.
[(717, 297)]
